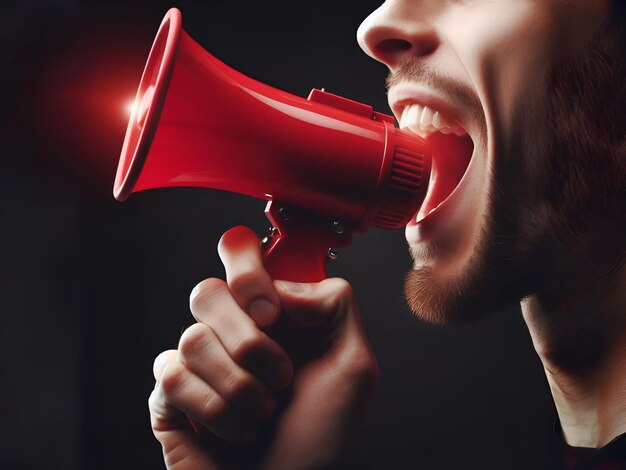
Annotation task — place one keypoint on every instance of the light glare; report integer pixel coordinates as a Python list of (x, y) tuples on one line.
[(130, 107)]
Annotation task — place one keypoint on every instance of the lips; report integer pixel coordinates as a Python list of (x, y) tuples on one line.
[(451, 146), (451, 157)]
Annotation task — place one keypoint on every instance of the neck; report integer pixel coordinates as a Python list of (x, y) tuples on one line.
[(577, 321)]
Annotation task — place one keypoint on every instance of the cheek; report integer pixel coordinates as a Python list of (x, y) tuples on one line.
[(506, 47)]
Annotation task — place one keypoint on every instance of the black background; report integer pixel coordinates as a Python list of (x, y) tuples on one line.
[(92, 290)]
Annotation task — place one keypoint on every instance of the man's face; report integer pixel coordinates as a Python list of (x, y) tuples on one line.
[(523, 90)]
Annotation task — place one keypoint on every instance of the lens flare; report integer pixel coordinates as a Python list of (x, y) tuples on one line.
[(130, 107)]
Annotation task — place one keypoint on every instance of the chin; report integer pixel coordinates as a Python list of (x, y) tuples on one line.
[(449, 235), (451, 242), (467, 255), (442, 299), (475, 291)]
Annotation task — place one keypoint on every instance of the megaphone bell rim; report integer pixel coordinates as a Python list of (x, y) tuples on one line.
[(148, 104)]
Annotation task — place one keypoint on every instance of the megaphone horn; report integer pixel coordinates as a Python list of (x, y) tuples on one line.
[(328, 165)]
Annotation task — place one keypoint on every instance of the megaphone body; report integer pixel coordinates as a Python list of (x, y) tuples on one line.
[(327, 165)]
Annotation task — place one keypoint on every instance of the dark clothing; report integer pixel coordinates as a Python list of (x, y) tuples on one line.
[(610, 457)]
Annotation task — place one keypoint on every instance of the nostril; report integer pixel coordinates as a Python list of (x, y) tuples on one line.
[(395, 48), (389, 36), (392, 46)]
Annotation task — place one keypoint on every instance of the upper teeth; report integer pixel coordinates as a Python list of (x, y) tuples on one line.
[(424, 121)]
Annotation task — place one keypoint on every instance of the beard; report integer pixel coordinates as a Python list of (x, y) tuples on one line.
[(554, 207)]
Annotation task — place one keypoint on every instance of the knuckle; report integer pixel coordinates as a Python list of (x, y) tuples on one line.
[(205, 292), (341, 295), (153, 401), (172, 377), (343, 289), (239, 386), (157, 409), (195, 339), (213, 409), (249, 346), (247, 280), (361, 367), (160, 361)]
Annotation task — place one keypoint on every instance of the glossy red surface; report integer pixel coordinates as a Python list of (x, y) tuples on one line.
[(198, 122)]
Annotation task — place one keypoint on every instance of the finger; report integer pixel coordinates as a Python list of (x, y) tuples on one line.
[(252, 349), (248, 281), (181, 446), (180, 389), (161, 360), (202, 352)]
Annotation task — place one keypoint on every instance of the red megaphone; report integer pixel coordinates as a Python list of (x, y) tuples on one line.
[(328, 165)]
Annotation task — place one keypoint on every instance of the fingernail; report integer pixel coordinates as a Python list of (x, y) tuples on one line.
[(262, 312), (277, 374), (295, 287)]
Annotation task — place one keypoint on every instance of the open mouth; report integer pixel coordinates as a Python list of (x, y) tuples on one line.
[(452, 150)]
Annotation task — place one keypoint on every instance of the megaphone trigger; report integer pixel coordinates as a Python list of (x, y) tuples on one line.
[(298, 245)]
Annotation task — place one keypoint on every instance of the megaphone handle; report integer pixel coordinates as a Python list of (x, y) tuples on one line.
[(298, 246), (289, 261)]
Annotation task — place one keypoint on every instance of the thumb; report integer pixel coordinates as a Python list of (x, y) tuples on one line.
[(315, 304), (330, 304)]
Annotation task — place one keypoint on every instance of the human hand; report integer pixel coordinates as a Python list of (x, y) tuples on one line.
[(275, 374)]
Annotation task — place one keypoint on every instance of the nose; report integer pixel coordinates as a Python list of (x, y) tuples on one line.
[(396, 30)]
